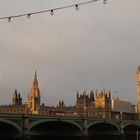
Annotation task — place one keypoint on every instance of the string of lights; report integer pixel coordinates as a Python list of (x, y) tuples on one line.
[(28, 15)]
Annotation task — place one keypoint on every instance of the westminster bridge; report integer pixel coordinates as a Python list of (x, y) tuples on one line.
[(21, 126)]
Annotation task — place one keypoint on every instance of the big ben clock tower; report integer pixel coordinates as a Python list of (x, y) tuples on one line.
[(34, 97)]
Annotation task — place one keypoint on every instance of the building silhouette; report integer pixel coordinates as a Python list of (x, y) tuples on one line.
[(97, 104), (17, 100)]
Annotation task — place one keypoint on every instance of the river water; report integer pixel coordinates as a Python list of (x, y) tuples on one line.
[(97, 137)]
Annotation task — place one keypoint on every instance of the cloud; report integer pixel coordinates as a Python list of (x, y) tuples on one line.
[(95, 47)]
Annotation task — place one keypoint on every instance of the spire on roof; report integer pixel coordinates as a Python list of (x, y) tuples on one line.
[(35, 81)]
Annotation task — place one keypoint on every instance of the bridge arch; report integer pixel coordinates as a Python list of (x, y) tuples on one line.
[(131, 124), (9, 129), (55, 127), (101, 122), (131, 131), (103, 128)]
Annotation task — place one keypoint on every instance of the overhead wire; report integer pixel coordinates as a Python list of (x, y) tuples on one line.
[(51, 10)]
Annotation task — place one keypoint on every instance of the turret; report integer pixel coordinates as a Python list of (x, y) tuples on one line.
[(17, 100), (77, 94), (61, 104), (14, 102), (92, 95), (35, 82)]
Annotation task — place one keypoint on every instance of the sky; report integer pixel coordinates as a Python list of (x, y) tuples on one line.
[(96, 47)]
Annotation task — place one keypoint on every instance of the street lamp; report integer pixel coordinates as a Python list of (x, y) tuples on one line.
[(26, 107)]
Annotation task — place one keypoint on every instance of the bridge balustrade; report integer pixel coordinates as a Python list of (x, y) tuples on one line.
[(28, 126)]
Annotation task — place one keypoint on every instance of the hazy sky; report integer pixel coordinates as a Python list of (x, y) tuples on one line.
[(97, 47)]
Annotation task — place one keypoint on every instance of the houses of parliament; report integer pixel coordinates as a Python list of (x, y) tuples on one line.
[(98, 104)]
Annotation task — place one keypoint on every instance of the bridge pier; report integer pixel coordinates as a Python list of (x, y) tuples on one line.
[(122, 135), (25, 126), (85, 125)]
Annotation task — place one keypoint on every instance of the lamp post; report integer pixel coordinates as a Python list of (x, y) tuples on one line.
[(26, 107)]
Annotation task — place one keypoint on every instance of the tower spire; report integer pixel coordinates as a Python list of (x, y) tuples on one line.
[(35, 74), (34, 96), (35, 81)]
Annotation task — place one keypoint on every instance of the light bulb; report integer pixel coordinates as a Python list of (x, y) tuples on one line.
[(104, 1), (9, 19), (52, 13), (28, 15), (76, 7)]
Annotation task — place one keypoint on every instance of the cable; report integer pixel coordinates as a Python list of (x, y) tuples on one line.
[(49, 10)]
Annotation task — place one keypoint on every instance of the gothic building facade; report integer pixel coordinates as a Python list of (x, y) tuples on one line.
[(33, 101), (32, 104), (95, 104), (17, 100)]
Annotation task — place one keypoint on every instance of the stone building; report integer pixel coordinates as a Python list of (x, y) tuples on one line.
[(16, 107), (85, 104), (95, 104), (33, 101), (32, 104), (17, 100), (122, 106)]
